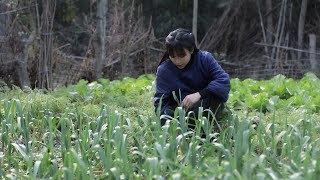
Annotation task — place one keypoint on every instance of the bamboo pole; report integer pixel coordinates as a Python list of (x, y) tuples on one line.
[(195, 20)]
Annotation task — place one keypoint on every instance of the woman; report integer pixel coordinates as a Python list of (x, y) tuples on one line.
[(189, 77)]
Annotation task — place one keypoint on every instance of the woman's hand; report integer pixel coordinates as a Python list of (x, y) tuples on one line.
[(190, 100)]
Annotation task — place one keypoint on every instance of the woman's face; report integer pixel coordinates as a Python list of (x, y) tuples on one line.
[(181, 62)]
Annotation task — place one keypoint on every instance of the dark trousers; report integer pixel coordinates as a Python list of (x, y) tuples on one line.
[(213, 104)]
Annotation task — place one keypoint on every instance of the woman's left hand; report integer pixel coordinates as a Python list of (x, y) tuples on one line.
[(190, 100)]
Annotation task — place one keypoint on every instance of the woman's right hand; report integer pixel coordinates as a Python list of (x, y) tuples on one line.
[(191, 99)]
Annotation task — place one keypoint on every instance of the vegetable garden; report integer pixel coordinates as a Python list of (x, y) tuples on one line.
[(108, 129)]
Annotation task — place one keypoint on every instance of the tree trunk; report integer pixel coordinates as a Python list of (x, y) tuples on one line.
[(45, 61), (195, 20), (23, 74), (101, 33), (302, 19)]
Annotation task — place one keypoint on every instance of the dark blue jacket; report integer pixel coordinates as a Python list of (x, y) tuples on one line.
[(202, 74)]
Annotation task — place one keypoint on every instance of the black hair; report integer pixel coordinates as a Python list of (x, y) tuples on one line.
[(177, 41)]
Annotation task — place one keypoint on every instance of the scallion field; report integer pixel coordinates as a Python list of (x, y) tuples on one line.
[(109, 130)]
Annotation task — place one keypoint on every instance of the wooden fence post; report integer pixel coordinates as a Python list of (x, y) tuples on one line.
[(312, 55)]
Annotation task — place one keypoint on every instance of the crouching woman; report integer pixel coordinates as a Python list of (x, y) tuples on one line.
[(193, 75)]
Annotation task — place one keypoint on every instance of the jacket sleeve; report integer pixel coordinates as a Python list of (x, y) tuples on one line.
[(219, 82), (164, 94)]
